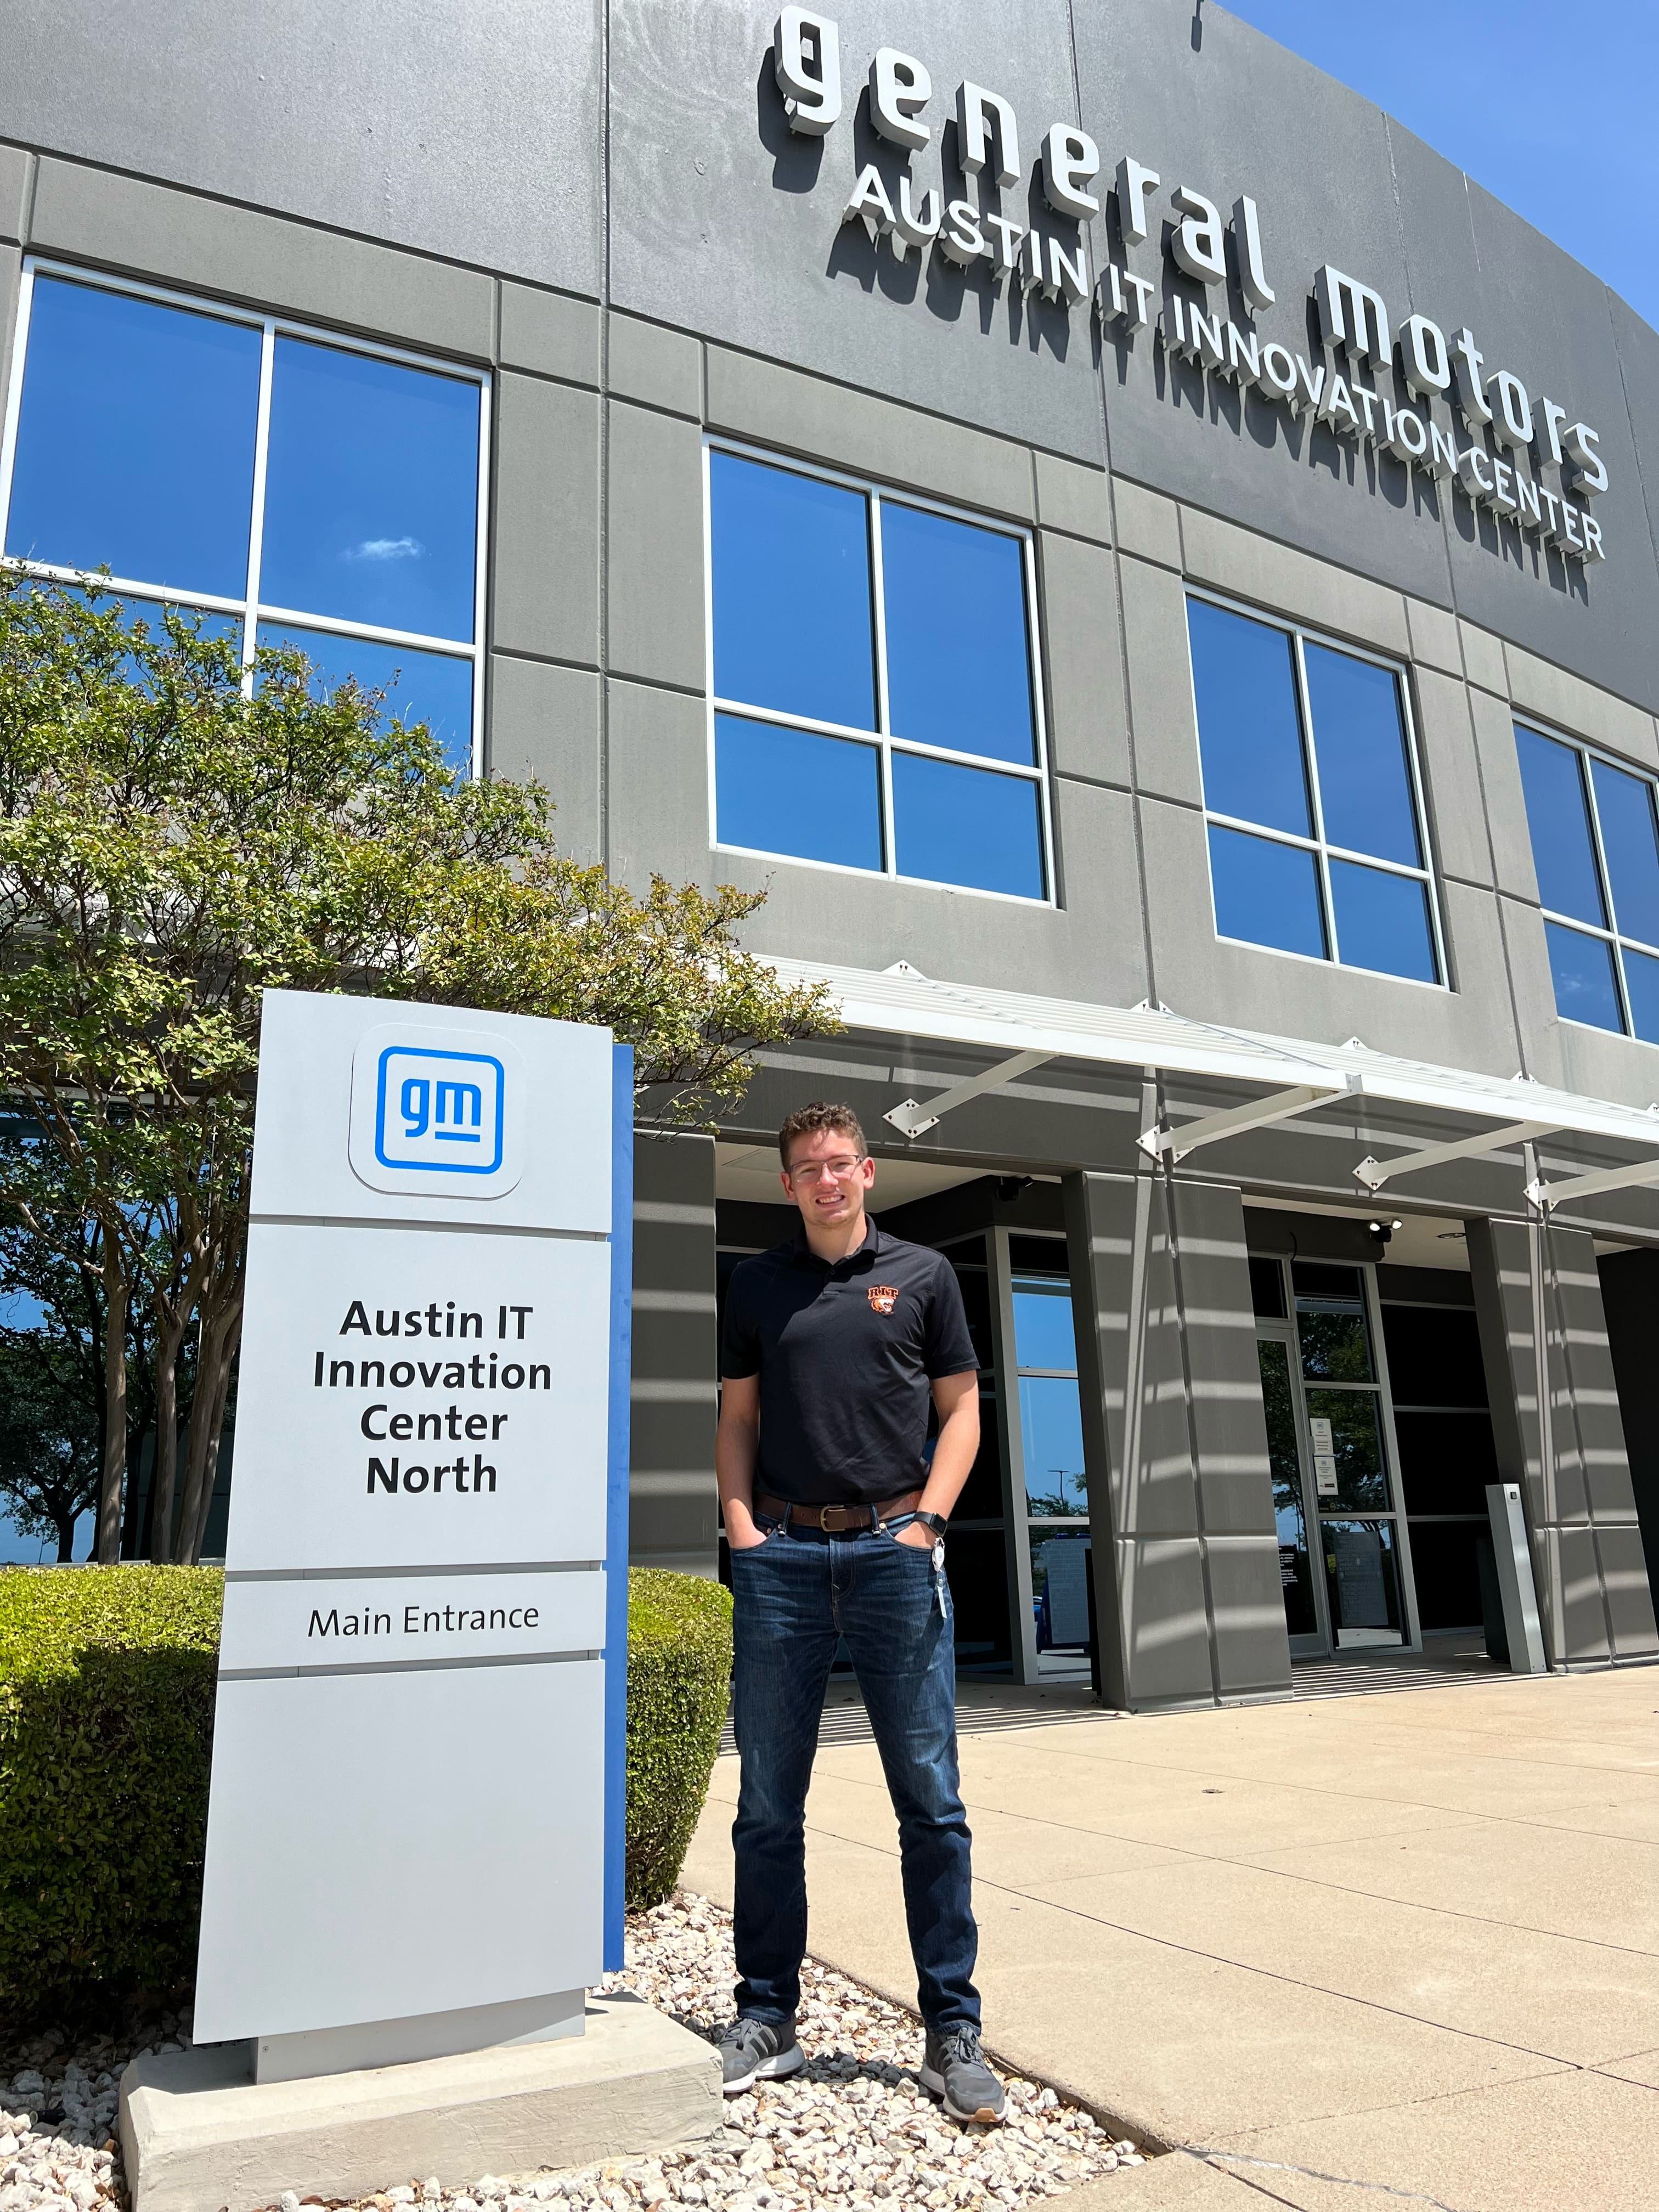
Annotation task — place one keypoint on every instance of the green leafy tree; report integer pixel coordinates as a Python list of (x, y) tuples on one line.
[(174, 842)]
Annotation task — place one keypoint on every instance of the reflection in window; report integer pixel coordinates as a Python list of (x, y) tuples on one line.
[(212, 461), (956, 824), (1317, 843), (1285, 1466), (1060, 1590), (1050, 1415), (1362, 1572), (840, 613), (432, 688), (1331, 1323), (793, 627), (135, 440), (1595, 854), (1051, 1439), (1355, 1422), (371, 492), (976, 697)]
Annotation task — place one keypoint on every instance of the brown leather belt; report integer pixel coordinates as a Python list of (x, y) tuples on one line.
[(836, 1520)]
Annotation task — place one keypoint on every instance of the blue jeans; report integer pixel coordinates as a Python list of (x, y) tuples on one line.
[(794, 1596)]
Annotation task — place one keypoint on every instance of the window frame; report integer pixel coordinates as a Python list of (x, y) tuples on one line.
[(1323, 849), (250, 608), (1616, 939), (881, 739)]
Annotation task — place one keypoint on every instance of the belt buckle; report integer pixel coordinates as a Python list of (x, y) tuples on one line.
[(825, 1511)]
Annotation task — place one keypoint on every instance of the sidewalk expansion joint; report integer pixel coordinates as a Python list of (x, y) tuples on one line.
[(1221, 2160)]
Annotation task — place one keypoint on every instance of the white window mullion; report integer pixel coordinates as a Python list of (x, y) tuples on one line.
[(257, 521), (339, 626), (480, 577), (130, 587), (1429, 871), (1599, 853), (883, 721), (1036, 662), (1310, 769)]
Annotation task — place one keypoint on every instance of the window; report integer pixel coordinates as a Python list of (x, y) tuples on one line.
[(874, 696), (1596, 850), (297, 489), (1310, 792), (1048, 1452)]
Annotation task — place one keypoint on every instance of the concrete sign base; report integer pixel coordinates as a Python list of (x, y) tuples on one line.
[(198, 2131)]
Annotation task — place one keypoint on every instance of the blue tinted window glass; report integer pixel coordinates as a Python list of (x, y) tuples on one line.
[(371, 491), (1250, 735), (1585, 990), (1266, 894), (789, 791), (1561, 849), (135, 440), (419, 687), (1382, 921), (963, 825), (1623, 807), (1051, 1440), (791, 558), (1043, 1325), (1642, 980), (958, 673), (1359, 743)]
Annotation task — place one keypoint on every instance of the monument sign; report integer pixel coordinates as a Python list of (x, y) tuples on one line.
[(415, 1835)]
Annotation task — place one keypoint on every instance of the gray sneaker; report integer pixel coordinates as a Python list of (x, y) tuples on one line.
[(759, 2050), (954, 2069)]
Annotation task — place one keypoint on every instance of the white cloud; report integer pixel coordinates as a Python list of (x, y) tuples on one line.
[(387, 548)]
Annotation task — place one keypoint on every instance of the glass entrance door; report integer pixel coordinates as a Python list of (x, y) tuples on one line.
[(1350, 1433), (1048, 1494), (1345, 1568), (1303, 1613)]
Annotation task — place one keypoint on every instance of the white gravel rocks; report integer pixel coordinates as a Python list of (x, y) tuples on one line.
[(47, 2166), (58, 2117), (851, 2133)]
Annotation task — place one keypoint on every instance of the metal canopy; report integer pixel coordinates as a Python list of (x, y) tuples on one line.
[(901, 1001)]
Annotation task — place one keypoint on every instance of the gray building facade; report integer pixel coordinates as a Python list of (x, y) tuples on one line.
[(1278, 424)]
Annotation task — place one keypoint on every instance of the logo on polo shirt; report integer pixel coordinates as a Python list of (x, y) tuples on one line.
[(882, 1295)]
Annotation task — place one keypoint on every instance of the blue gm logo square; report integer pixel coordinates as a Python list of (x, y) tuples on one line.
[(440, 1112)]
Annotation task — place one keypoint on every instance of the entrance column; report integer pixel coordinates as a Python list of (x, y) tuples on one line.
[(1185, 1554), (1593, 1596)]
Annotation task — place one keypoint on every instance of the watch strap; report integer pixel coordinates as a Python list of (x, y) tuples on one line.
[(937, 1522)]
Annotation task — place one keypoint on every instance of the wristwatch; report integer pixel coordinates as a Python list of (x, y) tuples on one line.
[(936, 1522)]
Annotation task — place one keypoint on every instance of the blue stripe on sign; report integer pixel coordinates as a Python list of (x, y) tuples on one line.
[(616, 1547)]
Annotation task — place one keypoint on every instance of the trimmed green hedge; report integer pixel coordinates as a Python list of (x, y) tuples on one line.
[(106, 1686), (106, 1690), (679, 1673)]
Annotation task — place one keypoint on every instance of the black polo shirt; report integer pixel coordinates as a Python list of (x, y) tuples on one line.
[(846, 1355)]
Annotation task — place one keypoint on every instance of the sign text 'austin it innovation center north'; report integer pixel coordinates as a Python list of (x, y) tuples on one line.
[(1529, 435)]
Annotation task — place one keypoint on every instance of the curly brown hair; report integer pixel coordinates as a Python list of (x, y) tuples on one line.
[(821, 1114)]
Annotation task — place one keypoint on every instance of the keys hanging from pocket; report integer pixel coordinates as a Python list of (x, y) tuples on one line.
[(938, 1575)]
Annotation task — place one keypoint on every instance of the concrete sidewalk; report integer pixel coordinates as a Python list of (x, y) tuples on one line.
[(1410, 1941)]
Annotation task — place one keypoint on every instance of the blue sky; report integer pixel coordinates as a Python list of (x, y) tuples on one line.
[(1550, 108)]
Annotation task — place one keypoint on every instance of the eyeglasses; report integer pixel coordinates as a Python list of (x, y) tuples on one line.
[(810, 1171)]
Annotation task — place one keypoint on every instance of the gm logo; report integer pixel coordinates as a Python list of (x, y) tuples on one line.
[(438, 1113)]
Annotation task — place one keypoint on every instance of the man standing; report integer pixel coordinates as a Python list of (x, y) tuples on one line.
[(834, 1347)]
